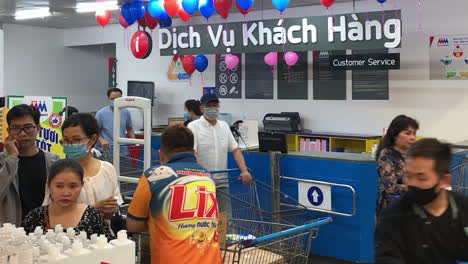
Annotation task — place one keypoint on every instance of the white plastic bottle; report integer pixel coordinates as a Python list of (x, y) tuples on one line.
[(103, 251), (58, 229), (375, 145), (124, 248), (21, 248), (54, 257), (79, 255), (71, 232)]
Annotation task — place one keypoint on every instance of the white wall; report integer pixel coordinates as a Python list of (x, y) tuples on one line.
[(440, 106), (37, 63)]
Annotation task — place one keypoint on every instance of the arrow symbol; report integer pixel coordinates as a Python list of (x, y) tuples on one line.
[(315, 196)]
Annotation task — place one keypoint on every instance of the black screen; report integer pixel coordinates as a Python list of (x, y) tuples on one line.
[(141, 89)]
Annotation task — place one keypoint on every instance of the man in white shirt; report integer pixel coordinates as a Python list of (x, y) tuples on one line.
[(213, 141)]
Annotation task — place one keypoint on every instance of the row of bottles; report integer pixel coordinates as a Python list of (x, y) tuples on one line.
[(59, 247)]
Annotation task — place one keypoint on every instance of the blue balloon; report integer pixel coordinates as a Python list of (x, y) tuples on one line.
[(164, 15), (165, 22), (381, 1), (190, 6), (201, 62), (206, 8), (245, 4), (137, 9), (127, 15), (280, 4), (155, 8)]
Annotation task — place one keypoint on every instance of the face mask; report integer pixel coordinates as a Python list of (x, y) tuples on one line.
[(75, 151), (211, 113), (186, 116), (422, 196), (112, 104)]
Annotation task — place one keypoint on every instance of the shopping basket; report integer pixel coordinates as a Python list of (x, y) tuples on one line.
[(460, 177), (266, 226)]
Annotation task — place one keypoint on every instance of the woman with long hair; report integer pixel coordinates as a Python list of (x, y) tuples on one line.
[(391, 159), (191, 111)]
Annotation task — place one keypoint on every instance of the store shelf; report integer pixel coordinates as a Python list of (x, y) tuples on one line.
[(335, 142)]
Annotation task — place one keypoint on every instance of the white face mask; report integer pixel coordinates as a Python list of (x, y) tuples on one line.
[(211, 113)]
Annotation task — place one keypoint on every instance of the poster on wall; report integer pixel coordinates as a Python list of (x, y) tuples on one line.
[(292, 80), (258, 77), (371, 84), (53, 113), (448, 57), (228, 82), (176, 71), (328, 84)]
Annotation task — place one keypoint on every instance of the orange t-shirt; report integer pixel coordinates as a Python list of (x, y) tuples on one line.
[(179, 203)]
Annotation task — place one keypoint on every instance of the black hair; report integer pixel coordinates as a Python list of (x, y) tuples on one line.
[(194, 106), (111, 90), (432, 148), (64, 165), (86, 121), (23, 110), (177, 139), (72, 110), (398, 124)]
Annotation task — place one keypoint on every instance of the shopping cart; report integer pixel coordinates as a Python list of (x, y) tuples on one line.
[(460, 177), (266, 226)]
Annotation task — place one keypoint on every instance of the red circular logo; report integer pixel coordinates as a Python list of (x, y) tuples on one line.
[(141, 44), (55, 120)]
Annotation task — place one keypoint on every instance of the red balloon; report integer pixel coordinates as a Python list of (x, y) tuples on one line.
[(151, 22), (171, 7), (142, 22), (327, 3), (103, 17), (223, 7), (243, 11), (141, 44), (188, 63), (183, 15), (122, 21)]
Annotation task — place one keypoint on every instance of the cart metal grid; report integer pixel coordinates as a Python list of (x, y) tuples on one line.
[(460, 177), (262, 230)]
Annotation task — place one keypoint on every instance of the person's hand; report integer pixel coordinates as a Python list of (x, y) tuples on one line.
[(105, 143), (245, 177), (11, 145), (107, 206)]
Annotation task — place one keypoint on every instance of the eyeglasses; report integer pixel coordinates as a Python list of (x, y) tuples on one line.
[(72, 141), (15, 130)]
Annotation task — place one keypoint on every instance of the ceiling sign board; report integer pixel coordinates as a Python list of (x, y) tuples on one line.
[(375, 30), (386, 61)]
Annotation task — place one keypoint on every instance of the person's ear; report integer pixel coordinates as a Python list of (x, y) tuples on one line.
[(202, 109), (445, 181), (38, 128), (162, 157)]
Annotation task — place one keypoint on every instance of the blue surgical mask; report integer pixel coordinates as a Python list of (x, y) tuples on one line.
[(112, 104), (77, 151), (186, 116)]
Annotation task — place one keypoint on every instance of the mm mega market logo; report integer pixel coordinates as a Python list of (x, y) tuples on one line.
[(41, 105), (443, 42)]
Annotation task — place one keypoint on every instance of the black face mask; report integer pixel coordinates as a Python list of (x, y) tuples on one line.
[(422, 196)]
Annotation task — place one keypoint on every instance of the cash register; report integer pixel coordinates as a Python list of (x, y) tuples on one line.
[(275, 126), (284, 121)]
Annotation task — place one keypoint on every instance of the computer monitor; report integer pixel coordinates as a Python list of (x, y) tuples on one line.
[(272, 141)]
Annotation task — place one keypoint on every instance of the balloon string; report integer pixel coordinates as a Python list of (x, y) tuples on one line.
[(383, 15), (283, 32), (244, 29), (202, 81), (395, 6), (420, 26)]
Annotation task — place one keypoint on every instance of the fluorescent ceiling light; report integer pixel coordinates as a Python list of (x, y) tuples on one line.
[(32, 13), (97, 6)]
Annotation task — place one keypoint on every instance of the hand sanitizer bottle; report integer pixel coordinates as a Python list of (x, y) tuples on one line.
[(124, 248)]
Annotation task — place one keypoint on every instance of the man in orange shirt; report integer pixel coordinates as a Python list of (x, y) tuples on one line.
[(177, 203)]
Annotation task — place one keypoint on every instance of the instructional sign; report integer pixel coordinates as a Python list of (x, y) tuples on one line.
[(448, 57), (53, 113), (228, 82), (316, 196), (374, 30)]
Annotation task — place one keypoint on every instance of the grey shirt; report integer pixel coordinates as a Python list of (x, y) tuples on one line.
[(10, 203)]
